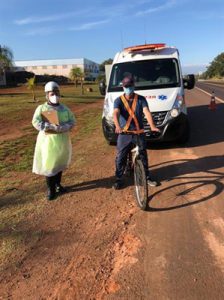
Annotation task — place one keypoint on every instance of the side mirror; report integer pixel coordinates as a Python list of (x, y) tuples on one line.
[(189, 81), (102, 88)]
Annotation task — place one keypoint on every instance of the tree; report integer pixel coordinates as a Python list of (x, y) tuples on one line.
[(105, 62), (6, 58), (31, 84), (216, 68), (75, 75)]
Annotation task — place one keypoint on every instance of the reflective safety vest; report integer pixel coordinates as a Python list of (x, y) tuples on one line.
[(131, 111)]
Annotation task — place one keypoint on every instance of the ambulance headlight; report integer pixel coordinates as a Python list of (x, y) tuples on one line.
[(174, 112), (177, 107)]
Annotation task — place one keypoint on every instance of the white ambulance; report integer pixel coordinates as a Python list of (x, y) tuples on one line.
[(157, 73)]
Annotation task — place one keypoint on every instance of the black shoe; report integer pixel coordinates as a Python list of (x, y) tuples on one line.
[(60, 189), (118, 184), (51, 194), (152, 182)]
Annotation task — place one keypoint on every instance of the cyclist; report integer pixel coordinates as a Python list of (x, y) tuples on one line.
[(128, 119)]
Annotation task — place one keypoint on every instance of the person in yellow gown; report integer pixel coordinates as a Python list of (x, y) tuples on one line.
[(53, 148)]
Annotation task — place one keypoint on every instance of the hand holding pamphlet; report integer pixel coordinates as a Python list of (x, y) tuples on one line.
[(50, 116)]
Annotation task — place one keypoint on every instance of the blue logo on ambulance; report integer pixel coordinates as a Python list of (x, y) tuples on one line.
[(162, 97)]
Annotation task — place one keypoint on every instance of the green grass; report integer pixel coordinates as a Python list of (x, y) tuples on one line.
[(16, 155), (88, 121), (13, 107)]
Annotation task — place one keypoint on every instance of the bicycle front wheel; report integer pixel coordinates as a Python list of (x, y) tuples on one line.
[(141, 187)]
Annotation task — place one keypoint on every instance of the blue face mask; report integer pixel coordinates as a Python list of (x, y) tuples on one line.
[(129, 90)]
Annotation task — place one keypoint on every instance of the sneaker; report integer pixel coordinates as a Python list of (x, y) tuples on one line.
[(151, 182), (117, 185)]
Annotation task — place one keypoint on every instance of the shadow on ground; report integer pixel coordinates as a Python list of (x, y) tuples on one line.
[(176, 169), (206, 128)]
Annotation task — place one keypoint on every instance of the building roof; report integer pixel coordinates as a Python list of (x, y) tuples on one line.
[(52, 62)]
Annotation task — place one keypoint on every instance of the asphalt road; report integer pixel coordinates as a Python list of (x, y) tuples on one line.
[(210, 87)]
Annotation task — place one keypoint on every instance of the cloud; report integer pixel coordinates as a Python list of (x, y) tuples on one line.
[(50, 30), (166, 5), (90, 25), (101, 11), (51, 18)]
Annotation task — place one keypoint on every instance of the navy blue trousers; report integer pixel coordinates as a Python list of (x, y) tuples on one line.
[(125, 143)]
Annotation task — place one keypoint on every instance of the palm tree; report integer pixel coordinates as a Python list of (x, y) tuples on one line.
[(6, 57), (75, 75), (31, 84)]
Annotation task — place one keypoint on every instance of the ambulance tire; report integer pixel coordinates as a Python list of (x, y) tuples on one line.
[(108, 133)]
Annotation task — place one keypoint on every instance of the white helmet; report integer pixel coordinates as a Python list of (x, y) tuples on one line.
[(50, 86)]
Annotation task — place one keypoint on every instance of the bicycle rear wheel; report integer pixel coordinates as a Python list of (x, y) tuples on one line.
[(141, 187)]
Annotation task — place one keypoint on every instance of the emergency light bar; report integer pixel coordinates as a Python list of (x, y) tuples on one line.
[(145, 47)]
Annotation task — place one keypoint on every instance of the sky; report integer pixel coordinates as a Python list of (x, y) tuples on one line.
[(97, 29)]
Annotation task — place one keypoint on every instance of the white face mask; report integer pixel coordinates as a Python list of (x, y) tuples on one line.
[(54, 99)]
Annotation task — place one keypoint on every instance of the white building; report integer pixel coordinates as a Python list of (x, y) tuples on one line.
[(60, 67)]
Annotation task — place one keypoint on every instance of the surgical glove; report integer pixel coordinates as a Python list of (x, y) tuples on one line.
[(65, 127), (50, 127), (46, 126)]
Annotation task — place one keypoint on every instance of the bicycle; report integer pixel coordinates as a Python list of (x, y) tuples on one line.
[(135, 164)]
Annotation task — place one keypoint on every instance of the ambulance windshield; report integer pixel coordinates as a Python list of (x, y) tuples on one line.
[(148, 74)]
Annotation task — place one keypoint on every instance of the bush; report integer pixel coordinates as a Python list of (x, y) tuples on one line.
[(20, 77)]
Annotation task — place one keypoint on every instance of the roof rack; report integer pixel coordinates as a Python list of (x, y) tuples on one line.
[(145, 47)]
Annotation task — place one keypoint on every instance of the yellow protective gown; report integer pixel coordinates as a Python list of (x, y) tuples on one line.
[(53, 151)]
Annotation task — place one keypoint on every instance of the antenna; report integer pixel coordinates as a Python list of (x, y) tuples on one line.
[(145, 31)]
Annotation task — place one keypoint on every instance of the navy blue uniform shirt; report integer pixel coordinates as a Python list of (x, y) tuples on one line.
[(124, 115)]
